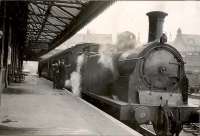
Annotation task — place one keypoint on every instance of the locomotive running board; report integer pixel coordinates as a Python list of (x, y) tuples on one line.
[(124, 111), (121, 110)]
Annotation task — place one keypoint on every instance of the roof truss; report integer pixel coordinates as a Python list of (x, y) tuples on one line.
[(53, 21)]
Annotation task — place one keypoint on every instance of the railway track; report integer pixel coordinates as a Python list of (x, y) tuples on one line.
[(147, 129), (188, 130)]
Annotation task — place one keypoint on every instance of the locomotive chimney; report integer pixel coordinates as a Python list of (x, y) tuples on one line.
[(156, 20)]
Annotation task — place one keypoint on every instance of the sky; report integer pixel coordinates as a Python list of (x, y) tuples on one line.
[(131, 16)]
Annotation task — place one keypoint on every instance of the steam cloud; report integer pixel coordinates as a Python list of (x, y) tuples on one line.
[(75, 78), (126, 41)]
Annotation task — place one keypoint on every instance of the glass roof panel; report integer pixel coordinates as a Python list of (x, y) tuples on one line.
[(73, 11), (48, 19), (34, 8), (53, 28), (78, 5), (51, 34), (59, 12), (56, 21)]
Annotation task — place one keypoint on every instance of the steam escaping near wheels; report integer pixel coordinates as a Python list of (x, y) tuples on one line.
[(108, 55), (75, 77), (136, 85)]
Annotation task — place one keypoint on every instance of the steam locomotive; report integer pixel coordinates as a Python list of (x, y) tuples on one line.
[(147, 84)]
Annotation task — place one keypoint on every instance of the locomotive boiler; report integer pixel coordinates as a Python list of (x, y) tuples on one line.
[(138, 86), (146, 85)]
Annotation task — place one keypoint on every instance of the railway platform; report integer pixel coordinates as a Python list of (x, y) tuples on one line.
[(34, 108)]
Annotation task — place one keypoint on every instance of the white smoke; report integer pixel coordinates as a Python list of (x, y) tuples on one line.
[(75, 77), (107, 52), (126, 54), (80, 61), (126, 41), (68, 83)]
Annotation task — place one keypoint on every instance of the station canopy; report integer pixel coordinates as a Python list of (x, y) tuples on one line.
[(50, 23)]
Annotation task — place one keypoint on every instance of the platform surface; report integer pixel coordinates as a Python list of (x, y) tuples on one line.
[(35, 108)]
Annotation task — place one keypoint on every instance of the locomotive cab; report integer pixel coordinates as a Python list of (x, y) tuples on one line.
[(138, 86)]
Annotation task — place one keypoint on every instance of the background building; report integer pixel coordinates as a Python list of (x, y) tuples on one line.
[(189, 46)]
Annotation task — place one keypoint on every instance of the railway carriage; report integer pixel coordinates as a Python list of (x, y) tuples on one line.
[(147, 85)]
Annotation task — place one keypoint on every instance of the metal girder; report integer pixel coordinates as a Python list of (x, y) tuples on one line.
[(42, 19), (54, 21), (44, 34), (39, 7), (66, 6), (48, 31), (58, 20), (38, 42), (66, 11), (34, 25), (90, 11), (61, 20), (58, 5), (32, 22), (32, 9), (30, 17), (48, 35), (45, 21), (54, 26), (35, 20), (62, 1), (61, 17)]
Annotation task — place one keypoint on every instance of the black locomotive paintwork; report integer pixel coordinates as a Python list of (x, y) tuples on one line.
[(139, 88), (116, 91)]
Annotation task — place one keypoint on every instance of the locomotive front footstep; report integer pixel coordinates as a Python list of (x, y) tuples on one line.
[(136, 85)]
